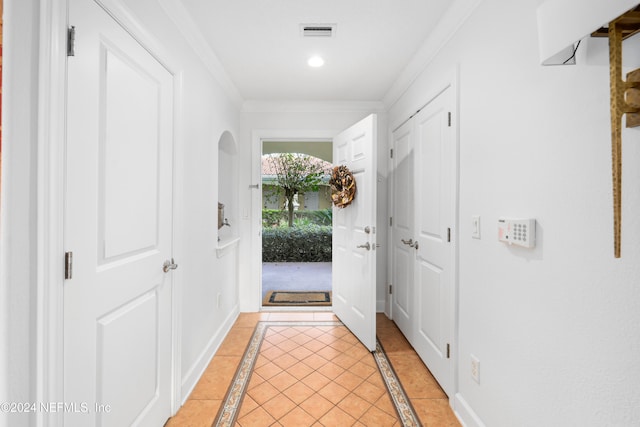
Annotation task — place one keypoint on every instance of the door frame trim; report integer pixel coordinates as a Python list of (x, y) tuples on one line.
[(49, 384), (253, 299), (49, 316)]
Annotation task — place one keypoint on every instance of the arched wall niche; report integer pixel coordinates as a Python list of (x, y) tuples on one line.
[(228, 188)]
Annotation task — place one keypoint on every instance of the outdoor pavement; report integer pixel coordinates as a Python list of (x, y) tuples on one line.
[(295, 276)]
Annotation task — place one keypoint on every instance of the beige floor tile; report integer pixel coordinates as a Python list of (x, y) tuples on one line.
[(195, 413), (349, 380), (385, 404), (333, 392), (236, 342), (283, 380), (315, 361), (301, 370), (298, 392), (214, 382), (354, 405), (369, 392), (377, 417), (268, 370), (249, 320), (256, 418), (325, 316), (316, 405), (296, 418), (263, 393), (316, 380), (331, 370), (337, 417), (291, 316), (435, 413), (416, 379), (279, 406), (362, 370), (315, 346), (247, 405)]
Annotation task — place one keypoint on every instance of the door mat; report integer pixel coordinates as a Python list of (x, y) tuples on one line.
[(312, 347), (297, 298)]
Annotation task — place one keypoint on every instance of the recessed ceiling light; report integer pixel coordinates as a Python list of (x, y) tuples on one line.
[(315, 61)]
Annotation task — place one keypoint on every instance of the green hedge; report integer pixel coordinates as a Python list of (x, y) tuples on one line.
[(275, 217), (309, 243)]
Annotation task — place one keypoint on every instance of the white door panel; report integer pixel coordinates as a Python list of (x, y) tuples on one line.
[(434, 198), (118, 224), (402, 230), (354, 267)]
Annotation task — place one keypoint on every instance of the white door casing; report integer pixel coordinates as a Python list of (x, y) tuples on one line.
[(403, 254), (435, 198), (354, 238), (118, 224)]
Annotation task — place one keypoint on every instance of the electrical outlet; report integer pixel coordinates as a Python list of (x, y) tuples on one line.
[(475, 368)]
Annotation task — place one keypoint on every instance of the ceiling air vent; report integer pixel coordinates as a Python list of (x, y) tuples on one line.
[(318, 30)]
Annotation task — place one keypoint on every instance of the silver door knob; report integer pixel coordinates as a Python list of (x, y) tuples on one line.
[(366, 246), (169, 265)]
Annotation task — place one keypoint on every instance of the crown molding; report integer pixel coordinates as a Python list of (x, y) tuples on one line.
[(291, 106), (188, 28), (447, 27)]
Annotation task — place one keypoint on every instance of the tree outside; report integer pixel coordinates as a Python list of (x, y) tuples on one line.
[(295, 174)]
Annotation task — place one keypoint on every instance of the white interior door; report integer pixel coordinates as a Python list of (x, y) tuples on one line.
[(354, 238), (118, 224), (402, 246), (435, 197)]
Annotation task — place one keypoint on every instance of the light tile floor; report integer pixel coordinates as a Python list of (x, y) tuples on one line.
[(337, 389)]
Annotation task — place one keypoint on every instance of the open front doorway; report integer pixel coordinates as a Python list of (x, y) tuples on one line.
[(296, 224)]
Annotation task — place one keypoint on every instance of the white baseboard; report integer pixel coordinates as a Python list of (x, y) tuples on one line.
[(195, 372), (381, 306), (465, 413)]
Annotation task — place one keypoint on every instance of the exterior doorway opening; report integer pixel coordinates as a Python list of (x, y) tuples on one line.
[(296, 224)]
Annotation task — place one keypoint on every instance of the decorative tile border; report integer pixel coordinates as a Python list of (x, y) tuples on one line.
[(231, 404), (402, 403)]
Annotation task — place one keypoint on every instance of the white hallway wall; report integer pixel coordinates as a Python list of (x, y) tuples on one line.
[(18, 223), (555, 328), (300, 119), (206, 110)]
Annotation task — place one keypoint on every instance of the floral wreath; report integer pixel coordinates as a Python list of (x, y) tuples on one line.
[(343, 186)]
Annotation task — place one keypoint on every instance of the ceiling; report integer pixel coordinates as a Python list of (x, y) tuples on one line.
[(260, 46)]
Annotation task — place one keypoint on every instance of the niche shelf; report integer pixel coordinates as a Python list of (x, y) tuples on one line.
[(227, 236)]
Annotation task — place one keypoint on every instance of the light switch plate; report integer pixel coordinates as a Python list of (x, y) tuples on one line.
[(475, 226)]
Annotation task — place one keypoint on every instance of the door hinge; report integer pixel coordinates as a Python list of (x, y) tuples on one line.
[(71, 41), (449, 118), (390, 221), (448, 351), (448, 235), (390, 289), (391, 153), (68, 265)]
